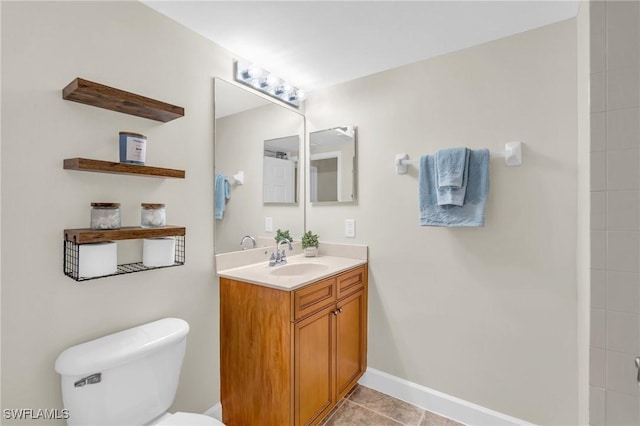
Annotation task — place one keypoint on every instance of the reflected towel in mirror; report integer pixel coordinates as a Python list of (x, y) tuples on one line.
[(222, 194)]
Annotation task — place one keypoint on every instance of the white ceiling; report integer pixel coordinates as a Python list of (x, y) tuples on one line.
[(314, 44)]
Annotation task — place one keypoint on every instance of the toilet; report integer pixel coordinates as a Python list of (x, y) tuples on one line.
[(127, 378)]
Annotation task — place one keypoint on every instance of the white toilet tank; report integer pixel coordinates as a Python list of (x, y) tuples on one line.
[(126, 378)]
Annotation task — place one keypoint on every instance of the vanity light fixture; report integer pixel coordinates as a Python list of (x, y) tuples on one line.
[(268, 83)]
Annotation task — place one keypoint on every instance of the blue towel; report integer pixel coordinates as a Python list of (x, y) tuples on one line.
[(451, 164), (473, 211), (222, 194), (452, 167)]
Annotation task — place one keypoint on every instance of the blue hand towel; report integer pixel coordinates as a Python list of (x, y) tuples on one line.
[(472, 213), (222, 194), (452, 167), (451, 164)]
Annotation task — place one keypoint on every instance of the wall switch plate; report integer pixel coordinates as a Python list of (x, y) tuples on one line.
[(268, 224), (350, 228)]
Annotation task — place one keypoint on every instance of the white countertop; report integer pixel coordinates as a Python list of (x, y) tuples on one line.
[(269, 276)]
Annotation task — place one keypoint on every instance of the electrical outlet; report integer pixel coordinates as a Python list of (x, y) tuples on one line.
[(350, 228), (268, 224)]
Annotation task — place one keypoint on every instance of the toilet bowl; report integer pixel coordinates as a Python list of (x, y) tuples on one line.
[(127, 378)]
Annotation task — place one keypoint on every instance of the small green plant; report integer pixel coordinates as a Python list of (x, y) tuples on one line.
[(309, 239), (281, 235)]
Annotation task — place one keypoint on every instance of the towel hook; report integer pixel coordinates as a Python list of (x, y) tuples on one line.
[(239, 178)]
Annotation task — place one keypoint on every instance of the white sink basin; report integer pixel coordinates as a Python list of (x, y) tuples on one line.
[(294, 269)]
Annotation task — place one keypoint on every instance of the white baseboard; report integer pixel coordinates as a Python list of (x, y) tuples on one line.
[(215, 411), (440, 403), (437, 402)]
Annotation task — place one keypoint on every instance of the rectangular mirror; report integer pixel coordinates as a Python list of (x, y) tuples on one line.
[(332, 165), (249, 128)]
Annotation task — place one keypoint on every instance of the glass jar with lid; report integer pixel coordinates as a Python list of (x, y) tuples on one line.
[(105, 216), (153, 215)]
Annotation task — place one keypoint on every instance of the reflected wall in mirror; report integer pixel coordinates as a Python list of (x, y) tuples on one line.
[(280, 170), (332, 165), (245, 123)]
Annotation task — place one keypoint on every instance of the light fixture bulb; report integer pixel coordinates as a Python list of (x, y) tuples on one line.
[(272, 80), (302, 95), (286, 88), (255, 71)]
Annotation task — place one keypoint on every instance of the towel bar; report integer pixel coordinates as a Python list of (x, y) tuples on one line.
[(512, 157)]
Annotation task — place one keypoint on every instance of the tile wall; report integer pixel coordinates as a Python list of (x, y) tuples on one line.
[(615, 212)]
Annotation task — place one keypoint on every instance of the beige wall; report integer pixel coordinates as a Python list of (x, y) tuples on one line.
[(126, 45), (485, 314)]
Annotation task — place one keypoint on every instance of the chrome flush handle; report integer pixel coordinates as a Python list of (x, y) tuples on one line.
[(638, 367), (89, 380)]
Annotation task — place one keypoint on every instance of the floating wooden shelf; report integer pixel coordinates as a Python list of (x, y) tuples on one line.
[(87, 165), (101, 96), (86, 235)]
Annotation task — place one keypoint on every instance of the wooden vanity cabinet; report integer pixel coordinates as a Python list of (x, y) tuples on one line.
[(287, 357)]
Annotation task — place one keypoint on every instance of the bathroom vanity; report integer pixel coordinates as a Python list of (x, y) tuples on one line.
[(293, 341)]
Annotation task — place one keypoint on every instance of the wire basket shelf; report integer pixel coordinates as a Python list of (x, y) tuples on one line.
[(71, 263)]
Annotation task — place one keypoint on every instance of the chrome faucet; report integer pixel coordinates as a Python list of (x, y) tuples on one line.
[(280, 257), (253, 241)]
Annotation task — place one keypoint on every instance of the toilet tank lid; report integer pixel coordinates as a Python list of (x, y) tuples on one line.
[(121, 347)]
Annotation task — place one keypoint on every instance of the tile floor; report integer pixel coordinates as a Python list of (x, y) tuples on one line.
[(367, 407)]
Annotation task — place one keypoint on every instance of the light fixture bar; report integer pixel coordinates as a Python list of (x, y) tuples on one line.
[(266, 82)]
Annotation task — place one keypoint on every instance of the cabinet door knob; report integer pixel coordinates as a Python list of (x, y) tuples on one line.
[(335, 312), (339, 310)]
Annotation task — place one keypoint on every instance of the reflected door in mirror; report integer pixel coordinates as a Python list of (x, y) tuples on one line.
[(332, 159), (280, 170), (279, 180)]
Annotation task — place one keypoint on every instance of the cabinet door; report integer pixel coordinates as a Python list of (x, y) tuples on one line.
[(351, 337), (314, 366)]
